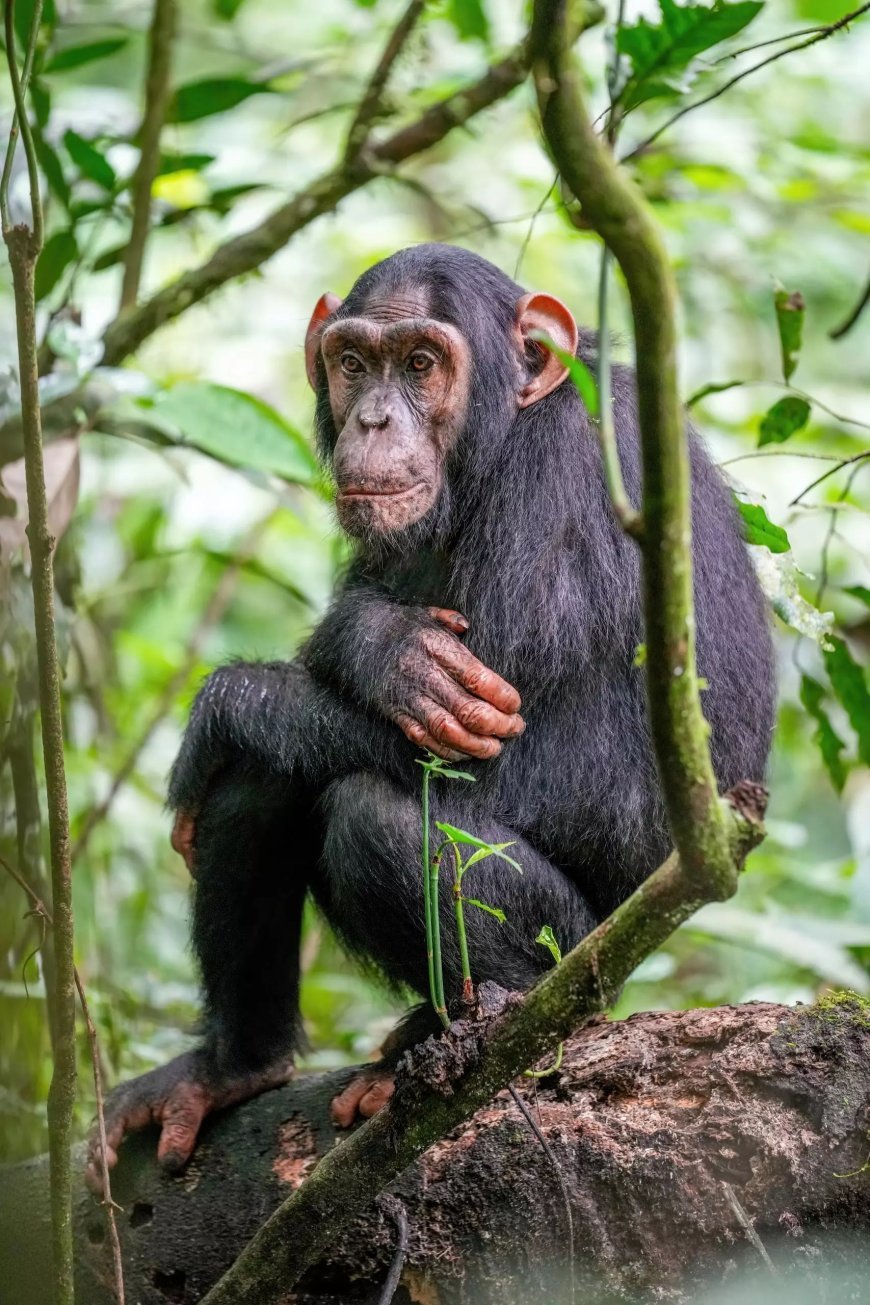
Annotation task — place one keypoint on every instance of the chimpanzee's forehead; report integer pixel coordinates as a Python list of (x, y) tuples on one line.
[(384, 306)]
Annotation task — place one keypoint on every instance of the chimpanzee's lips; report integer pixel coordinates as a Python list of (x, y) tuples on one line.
[(354, 491)]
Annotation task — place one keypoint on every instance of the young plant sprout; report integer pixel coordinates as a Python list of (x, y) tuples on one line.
[(455, 839), (547, 939)]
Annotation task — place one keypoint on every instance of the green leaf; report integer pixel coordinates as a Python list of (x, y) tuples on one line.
[(464, 839), (200, 99), (829, 743), (58, 252), (170, 163), (89, 161), (226, 9), (861, 592), (236, 428), (790, 308), (759, 529), (787, 416), (469, 18), (484, 906), (53, 170), (778, 577), (661, 52), (849, 683), (548, 939), (580, 374), (74, 56), (639, 658), (715, 387), (23, 17), (438, 766)]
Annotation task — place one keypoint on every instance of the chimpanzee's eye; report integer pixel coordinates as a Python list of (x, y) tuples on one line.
[(420, 361), (351, 365)]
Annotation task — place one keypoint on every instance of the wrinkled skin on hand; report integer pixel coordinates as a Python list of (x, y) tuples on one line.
[(445, 700), (177, 1097), (365, 1095)]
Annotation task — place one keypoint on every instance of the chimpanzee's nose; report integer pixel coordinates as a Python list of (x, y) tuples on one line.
[(373, 415)]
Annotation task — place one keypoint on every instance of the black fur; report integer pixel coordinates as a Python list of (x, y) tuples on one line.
[(317, 791)]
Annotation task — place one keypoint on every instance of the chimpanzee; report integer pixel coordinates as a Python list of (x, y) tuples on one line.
[(487, 567)]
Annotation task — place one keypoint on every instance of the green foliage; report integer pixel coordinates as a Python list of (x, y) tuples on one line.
[(849, 682), (58, 252), (233, 427), (759, 529), (829, 743), (469, 18), (662, 53), (587, 386), (201, 99), (76, 56), (790, 309), (89, 161), (547, 939), (787, 416)]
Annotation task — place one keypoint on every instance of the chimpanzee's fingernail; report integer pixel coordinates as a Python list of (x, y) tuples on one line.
[(461, 621)]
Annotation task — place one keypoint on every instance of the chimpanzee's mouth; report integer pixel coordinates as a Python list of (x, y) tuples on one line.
[(354, 492)]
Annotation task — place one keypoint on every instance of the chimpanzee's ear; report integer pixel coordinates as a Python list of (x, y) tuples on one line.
[(547, 314), (325, 305)]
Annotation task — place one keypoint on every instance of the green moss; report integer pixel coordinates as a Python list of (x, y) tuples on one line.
[(843, 1004)]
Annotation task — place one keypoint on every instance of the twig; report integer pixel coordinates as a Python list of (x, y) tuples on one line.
[(560, 1178), (843, 329), (748, 1227), (249, 251), (211, 616), (819, 35), (832, 523), (832, 471), (24, 245), (771, 40), (12, 139), (39, 909), (371, 104), (157, 91), (20, 123), (527, 238), (393, 1207)]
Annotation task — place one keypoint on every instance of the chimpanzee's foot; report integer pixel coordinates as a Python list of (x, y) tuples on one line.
[(178, 1097), (366, 1094)]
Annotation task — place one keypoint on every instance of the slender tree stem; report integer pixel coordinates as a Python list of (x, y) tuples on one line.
[(435, 916), (157, 91), (371, 104), (461, 935), (24, 247), (19, 88), (630, 520), (427, 890)]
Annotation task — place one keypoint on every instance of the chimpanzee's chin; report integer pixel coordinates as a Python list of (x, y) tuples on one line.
[(367, 515)]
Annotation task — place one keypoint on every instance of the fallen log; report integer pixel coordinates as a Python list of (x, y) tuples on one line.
[(694, 1148)]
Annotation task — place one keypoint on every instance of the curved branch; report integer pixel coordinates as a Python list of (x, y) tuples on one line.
[(247, 252), (371, 104)]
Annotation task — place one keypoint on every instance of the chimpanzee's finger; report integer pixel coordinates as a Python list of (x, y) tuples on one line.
[(343, 1108), (125, 1116), (474, 676), (417, 733), (446, 729), (183, 837), (183, 1112), (455, 622), (476, 714), (377, 1096)]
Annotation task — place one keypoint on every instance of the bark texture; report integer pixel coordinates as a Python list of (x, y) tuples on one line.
[(708, 1155)]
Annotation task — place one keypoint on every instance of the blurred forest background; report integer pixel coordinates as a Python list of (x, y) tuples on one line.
[(196, 527)]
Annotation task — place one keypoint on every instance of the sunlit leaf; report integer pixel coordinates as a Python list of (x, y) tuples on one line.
[(580, 374), (829, 743), (660, 53), (74, 56), (790, 308), (89, 161), (59, 251), (464, 839), (849, 682), (759, 529), (236, 428), (200, 99), (484, 906), (548, 939), (787, 416)]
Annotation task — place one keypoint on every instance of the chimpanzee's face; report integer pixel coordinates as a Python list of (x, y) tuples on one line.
[(399, 393), (398, 390)]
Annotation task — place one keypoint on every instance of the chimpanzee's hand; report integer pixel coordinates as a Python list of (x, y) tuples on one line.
[(446, 700), (178, 1097)]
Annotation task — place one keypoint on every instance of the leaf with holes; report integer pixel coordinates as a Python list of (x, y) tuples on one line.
[(787, 416), (790, 309)]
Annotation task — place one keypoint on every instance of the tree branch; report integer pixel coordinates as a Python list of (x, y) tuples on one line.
[(24, 246), (371, 104), (843, 329), (614, 208), (157, 91), (246, 252)]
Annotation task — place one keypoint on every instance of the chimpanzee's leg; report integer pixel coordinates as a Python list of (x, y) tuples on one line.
[(369, 886), (256, 840)]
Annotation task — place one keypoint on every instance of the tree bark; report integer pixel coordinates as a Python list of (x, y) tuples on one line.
[(696, 1148)]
